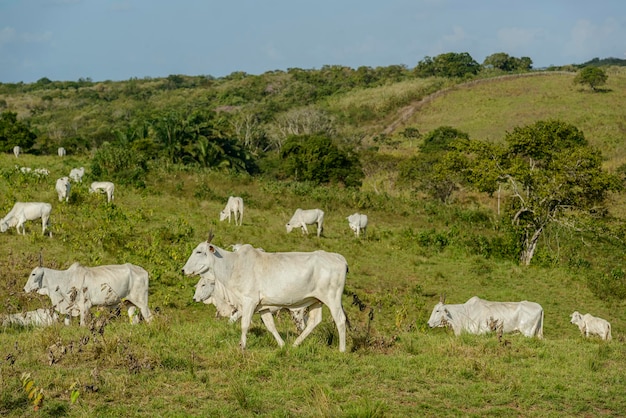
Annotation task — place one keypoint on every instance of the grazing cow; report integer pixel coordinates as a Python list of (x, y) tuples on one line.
[(63, 187), (479, 316), (17, 151), (61, 152), (75, 290), (301, 218), (358, 223), (207, 292), (258, 281), (234, 206), (77, 174), (26, 211), (103, 187), (40, 317), (590, 325)]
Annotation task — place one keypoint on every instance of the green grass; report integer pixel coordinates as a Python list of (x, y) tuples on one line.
[(187, 362)]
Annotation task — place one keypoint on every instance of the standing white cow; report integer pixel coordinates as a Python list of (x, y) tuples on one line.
[(208, 293), (358, 223), (17, 151), (103, 187), (479, 316), (61, 152), (234, 206), (301, 218), (63, 187), (26, 211), (590, 325), (40, 317), (258, 281), (78, 288), (77, 174)]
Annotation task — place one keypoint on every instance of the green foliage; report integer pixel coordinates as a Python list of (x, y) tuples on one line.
[(14, 132), (505, 62), (451, 64), (35, 393), (431, 171), (319, 160), (549, 170), (592, 77), (119, 165)]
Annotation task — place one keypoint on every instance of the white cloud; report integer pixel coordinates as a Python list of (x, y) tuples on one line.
[(588, 39)]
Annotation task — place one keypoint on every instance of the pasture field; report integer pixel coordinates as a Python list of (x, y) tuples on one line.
[(187, 362)]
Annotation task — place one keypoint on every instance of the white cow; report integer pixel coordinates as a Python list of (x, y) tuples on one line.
[(40, 317), (479, 316), (41, 172), (208, 293), (590, 325), (358, 223), (258, 281), (17, 151), (301, 218), (61, 152), (234, 206), (103, 187), (75, 290), (77, 174), (63, 187), (26, 211)]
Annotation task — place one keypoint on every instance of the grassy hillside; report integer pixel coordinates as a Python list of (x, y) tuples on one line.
[(187, 363)]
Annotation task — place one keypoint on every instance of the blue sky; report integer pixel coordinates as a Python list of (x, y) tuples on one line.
[(120, 39)]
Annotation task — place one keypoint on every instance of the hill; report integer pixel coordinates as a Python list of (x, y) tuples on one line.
[(187, 361)]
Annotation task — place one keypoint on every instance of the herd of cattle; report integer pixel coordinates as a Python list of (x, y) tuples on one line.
[(248, 280)]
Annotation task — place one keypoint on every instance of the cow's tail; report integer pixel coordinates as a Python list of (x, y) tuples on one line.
[(608, 333)]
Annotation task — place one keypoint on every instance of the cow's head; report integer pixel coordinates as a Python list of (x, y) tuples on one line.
[(202, 258), (576, 317), (204, 289), (289, 228), (440, 317), (35, 280), (223, 215), (4, 225)]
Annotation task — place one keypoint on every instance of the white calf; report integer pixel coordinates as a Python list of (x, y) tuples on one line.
[(26, 211), (590, 325), (63, 189), (103, 187)]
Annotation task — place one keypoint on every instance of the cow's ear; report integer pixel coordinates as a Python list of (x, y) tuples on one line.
[(211, 249)]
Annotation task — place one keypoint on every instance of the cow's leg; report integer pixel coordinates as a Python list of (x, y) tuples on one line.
[(67, 320), (145, 312), (268, 320), (315, 317), (246, 318), (134, 319), (340, 320)]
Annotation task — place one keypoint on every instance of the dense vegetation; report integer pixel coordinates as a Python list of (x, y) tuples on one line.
[(320, 138)]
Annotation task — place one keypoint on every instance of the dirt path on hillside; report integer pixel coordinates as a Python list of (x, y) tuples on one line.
[(406, 112)]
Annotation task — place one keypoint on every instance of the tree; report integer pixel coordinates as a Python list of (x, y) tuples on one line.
[(550, 171), (450, 64), (505, 62), (431, 171), (14, 132), (591, 76), (317, 159)]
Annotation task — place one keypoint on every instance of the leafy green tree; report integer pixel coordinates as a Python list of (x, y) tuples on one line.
[(551, 174), (505, 62), (592, 77), (14, 132), (317, 159), (116, 163), (451, 64), (430, 171)]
